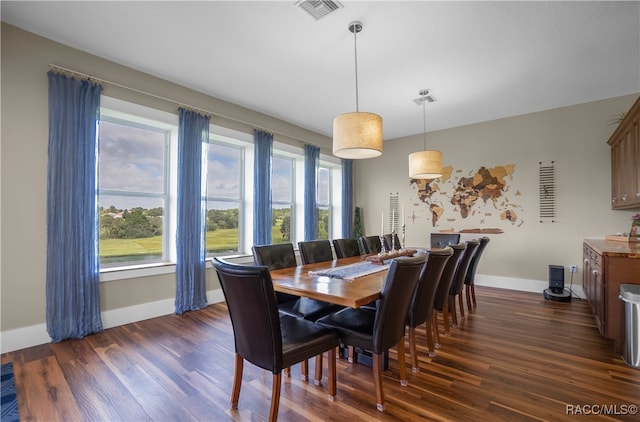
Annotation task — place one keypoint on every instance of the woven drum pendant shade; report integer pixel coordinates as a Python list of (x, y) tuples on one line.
[(425, 165), (357, 135)]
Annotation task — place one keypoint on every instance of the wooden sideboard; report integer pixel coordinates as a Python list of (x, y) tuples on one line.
[(607, 265)]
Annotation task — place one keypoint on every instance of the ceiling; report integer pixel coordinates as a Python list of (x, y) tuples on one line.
[(480, 60)]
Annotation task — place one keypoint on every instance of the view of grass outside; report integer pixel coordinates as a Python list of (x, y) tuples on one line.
[(218, 241), (128, 238)]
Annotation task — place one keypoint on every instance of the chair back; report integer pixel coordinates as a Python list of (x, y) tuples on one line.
[(421, 307), (463, 267), (389, 239), (370, 244), (275, 257), (248, 291), (313, 251), (392, 307), (446, 279), (442, 240), (471, 272), (346, 247)]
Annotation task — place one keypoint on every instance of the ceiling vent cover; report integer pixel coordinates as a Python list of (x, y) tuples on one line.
[(318, 9), (426, 97)]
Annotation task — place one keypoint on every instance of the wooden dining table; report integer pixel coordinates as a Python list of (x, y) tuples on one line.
[(352, 293)]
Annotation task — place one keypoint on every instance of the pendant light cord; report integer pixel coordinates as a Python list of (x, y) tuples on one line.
[(424, 120), (355, 50)]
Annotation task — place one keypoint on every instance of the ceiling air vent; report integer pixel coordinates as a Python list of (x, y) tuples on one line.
[(426, 97), (318, 9)]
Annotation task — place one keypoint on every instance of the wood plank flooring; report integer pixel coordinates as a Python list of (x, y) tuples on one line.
[(516, 358)]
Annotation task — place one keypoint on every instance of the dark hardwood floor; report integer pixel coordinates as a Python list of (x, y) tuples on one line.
[(516, 358)]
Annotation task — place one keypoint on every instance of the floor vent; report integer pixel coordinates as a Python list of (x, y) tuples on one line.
[(318, 9)]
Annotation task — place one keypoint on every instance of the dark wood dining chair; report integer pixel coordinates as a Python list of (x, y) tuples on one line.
[(441, 240), (458, 281), (264, 336), (346, 248), (389, 240), (469, 279), (441, 300), (380, 328), (421, 307), (370, 244)]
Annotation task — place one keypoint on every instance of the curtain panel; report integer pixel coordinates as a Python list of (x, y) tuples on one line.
[(311, 157), (262, 213), (191, 292), (347, 198), (73, 272)]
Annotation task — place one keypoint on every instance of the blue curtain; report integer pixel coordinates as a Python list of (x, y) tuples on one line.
[(73, 269), (262, 187), (191, 291), (311, 156), (347, 198)]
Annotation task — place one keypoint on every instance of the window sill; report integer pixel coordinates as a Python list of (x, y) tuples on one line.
[(135, 271)]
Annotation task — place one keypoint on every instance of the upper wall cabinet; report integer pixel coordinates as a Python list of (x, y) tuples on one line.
[(625, 161)]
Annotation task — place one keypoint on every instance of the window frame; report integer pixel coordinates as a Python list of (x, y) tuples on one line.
[(124, 113), (291, 203), (229, 139)]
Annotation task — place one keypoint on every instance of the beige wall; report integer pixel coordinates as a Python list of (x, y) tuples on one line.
[(574, 137), (25, 60)]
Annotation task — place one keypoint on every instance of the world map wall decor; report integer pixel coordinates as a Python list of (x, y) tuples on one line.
[(482, 193)]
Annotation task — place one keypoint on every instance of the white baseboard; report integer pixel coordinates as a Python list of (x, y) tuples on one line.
[(521, 284), (34, 335)]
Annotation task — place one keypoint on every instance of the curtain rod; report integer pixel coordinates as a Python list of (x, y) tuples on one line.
[(178, 103)]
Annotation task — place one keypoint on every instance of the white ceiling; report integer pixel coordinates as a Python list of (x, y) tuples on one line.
[(480, 60)]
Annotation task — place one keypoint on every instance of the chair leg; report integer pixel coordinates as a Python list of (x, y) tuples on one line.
[(318, 380), (473, 294), (461, 303), (436, 330), (304, 369), (237, 382), (275, 397), (287, 372), (413, 350), (331, 358), (428, 327), (452, 311), (352, 354), (377, 380), (467, 292), (445, 316), (402, 365)]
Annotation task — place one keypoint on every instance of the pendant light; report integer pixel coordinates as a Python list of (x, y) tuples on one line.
[(357, 135), (425, 164)]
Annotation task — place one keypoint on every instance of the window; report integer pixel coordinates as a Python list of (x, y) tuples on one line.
[(224, 175), (133, 189), (282, 189), (138, 191), (323, 200)]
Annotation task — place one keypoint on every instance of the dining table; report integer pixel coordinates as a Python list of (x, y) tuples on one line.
[(351, 282)]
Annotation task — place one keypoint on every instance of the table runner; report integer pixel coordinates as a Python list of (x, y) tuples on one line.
[(352, 271)]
